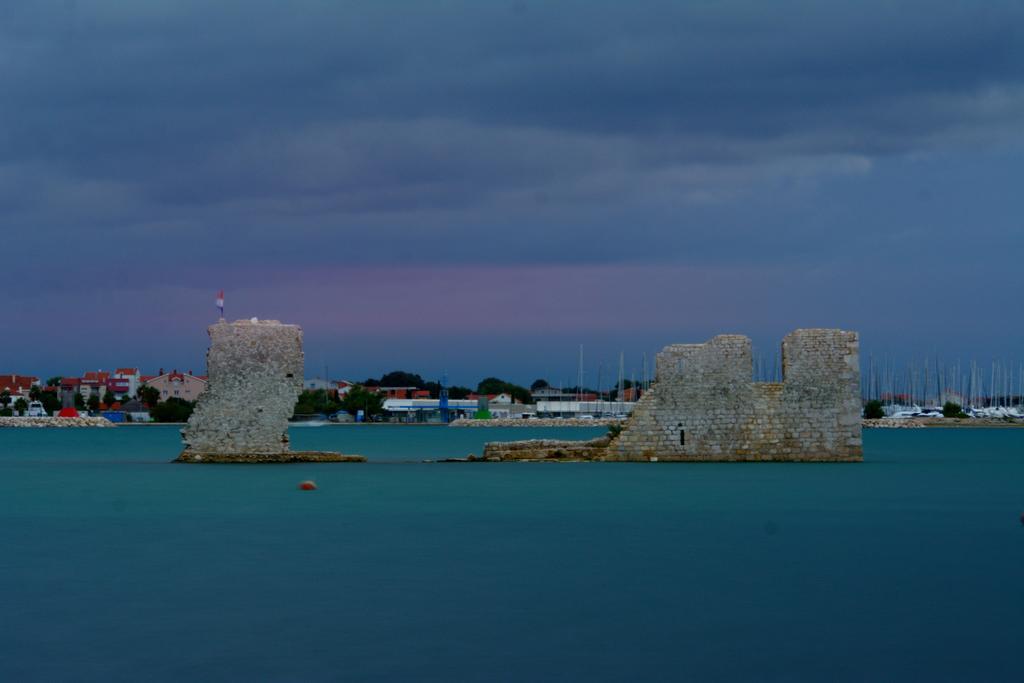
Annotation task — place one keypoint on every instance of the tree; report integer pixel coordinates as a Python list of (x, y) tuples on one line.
[(93, 403), (539, 384), (51, 402), (173, 409), (109, 399), (21, 405), (358, 398), (457, 393), (401, 378), (316, 401), (5, 398), (148, 395), (493, 385), (79, 401), (35, 392), (54, 381), (951, 409), (873, 410)]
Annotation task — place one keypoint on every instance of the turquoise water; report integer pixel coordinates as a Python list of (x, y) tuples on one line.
[(117, 566)]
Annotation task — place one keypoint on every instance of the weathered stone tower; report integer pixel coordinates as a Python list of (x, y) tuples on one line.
[(705, 405), (255, 372)]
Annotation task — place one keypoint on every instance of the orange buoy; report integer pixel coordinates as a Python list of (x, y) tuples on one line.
[(308, 485)]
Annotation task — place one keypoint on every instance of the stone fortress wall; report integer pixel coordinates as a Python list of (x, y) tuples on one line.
[(255, 376), (704, 404)]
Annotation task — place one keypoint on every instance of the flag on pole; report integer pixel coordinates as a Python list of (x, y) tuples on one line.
[(220, 302)]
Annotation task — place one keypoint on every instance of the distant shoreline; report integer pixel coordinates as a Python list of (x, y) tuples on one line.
[(884, 423)]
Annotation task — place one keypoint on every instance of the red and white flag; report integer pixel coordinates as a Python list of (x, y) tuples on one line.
[(220, 302)]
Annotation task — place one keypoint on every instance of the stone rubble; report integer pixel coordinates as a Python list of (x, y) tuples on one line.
[(547, 449), (537, 422)]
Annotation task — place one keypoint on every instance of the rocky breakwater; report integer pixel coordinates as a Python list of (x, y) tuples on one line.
[(29, 422), (537, 422), (255, 376), (947, 422), (891, 423)]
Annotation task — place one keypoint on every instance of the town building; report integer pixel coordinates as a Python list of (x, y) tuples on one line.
[(122, 384), (427, 409), (394, 392), (136, 411), (340, 387), (93, 384), (556, 394), (130, 378), (174, 384), (578, 409), (18, 386)]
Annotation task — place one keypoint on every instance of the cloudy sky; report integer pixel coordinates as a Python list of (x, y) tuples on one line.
[(482, 186)]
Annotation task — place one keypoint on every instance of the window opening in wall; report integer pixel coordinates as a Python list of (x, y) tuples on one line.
[(768, 366), (682, 435)]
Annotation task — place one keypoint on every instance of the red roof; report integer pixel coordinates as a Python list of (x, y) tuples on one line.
[(15, 383), (146, 378), (70, 382), (126, 371), (175, 375), (97, 376)]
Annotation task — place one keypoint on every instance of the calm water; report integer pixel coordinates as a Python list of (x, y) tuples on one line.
[(117, 566)]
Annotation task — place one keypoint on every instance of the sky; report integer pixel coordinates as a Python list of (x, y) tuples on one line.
[(479, 187)]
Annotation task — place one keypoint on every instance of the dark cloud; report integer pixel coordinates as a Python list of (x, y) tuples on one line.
[(728, 134)]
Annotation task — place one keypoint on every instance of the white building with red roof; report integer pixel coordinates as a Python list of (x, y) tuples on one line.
[(93, 383), (129, 377), (18, 385)]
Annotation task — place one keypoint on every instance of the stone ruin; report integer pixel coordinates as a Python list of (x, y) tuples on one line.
[(705, 406), (255, 370)]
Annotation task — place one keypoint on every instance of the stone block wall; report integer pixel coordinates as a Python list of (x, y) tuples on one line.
[(255, 376), (704, 404)]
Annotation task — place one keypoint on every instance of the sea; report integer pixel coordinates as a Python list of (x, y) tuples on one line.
[(116, 565)]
